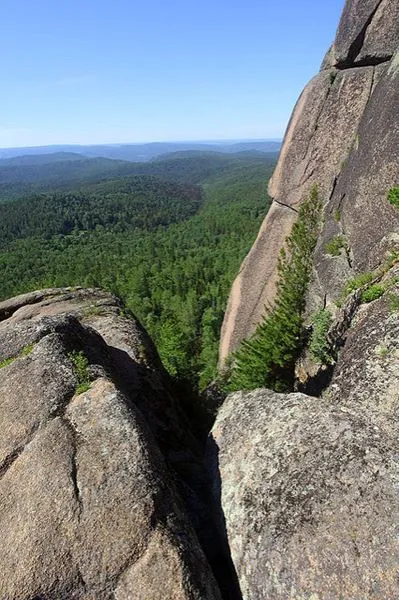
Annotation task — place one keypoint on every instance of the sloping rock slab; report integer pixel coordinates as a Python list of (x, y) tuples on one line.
[(309, 491)]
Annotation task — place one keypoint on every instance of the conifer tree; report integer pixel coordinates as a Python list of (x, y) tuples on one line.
[(267, 359)]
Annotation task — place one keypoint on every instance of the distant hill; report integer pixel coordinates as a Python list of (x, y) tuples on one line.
[(25, 178), (40, 159), (142, 152)]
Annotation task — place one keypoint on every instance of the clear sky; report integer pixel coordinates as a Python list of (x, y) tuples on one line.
[(102, 71)]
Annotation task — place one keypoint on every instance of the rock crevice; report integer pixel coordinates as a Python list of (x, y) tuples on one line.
[(357, 44)]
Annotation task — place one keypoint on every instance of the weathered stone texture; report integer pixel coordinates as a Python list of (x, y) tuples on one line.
[(309, 494), (288, 175), (358, 209), (88, 506), (382, 35), (343, 137), (321, 134), (368, 32), (366, 376), (371, 169)]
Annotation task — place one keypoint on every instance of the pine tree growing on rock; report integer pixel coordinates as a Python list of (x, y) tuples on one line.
[(267, 359)]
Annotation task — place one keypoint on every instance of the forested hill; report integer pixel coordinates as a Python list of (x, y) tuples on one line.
[(36, 174), (169, 245), (141, 202)]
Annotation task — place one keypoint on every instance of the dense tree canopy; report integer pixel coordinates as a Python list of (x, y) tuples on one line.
[(170, 250)]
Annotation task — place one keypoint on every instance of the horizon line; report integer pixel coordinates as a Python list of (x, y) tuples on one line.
[(190, 141)]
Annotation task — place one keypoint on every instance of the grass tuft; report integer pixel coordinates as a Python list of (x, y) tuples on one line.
[(81, 369)]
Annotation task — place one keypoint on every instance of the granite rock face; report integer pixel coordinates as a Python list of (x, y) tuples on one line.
[(366, 375), (306, 486), (368, 32), (89, 496), (309, 493), (342, 137)]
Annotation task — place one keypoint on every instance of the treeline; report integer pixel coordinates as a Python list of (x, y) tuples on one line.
[(175, 277)]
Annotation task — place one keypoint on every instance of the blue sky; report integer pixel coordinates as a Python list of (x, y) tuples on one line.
[(85, 71)]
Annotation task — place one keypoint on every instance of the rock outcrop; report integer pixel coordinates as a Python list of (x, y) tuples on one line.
[(93, 449), (342, 137), (306, 485), (309, 490), (367, 34)]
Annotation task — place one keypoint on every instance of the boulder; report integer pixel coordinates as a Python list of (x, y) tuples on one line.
[(89, 502), (308, 490)]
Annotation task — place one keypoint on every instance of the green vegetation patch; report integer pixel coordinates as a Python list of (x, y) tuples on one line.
[(337, 215), (7, 362), (357, 282), (319, 347), (334, 246), (171, 259), (267, 359), (393, 196), (24, 352), (81, 368), (373, 292), (381, 351)]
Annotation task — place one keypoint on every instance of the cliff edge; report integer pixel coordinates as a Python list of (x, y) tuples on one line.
[(306, 483), (342, 137)]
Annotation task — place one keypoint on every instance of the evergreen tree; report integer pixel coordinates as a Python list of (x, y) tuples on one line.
[(267, 359)]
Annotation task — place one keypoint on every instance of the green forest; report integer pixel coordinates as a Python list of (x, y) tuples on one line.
[(169, 244)]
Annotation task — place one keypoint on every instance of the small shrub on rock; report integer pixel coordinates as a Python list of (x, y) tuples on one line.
[(319, 346), (393, 303), (372, 293), (334, 246), (81, 368)]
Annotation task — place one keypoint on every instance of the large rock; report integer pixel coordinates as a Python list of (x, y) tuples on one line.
[(342, 137), (368, 32), (308, 489), (89, 506), (319, 139)]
